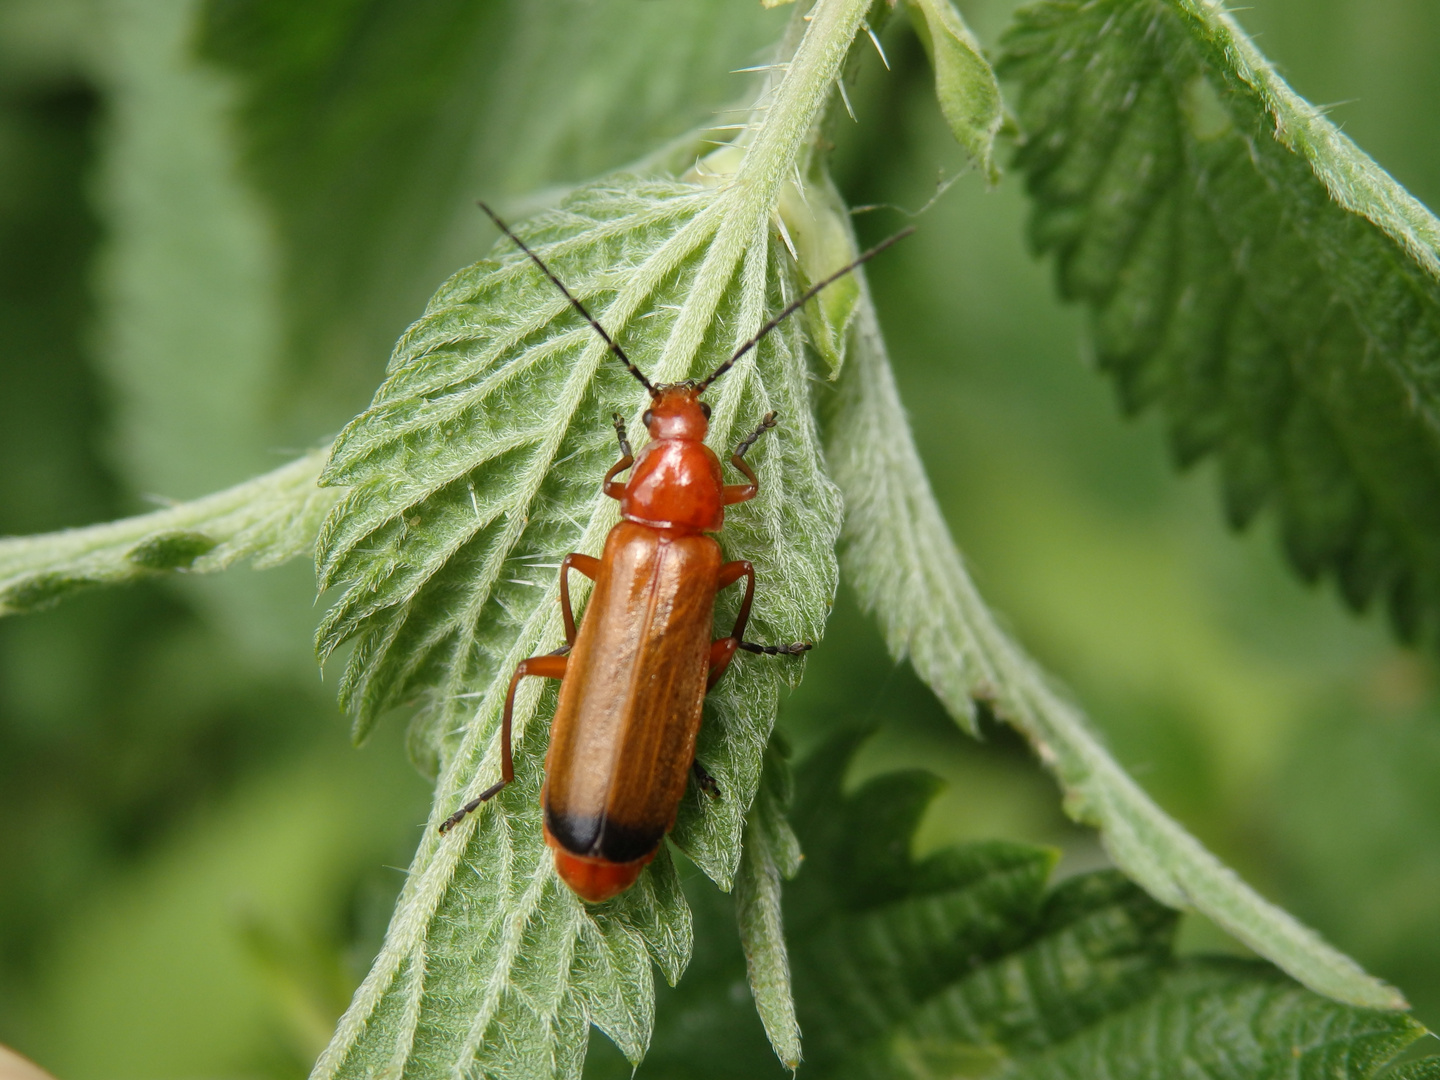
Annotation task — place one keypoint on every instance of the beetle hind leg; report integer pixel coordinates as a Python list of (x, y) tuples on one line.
[(543, 667), (723, 650)]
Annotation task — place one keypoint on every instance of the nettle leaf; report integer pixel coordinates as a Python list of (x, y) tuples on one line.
[(1253, 272), (771, 853), (1231, 1020), (269, 519), (904, 565), (478, 463), (964, 963), (475, 470)]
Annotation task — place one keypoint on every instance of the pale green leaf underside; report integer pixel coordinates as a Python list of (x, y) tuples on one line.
[(771, 853), (1251, 270), (478, 463), (475, 470), (269, 519), (904, 564)]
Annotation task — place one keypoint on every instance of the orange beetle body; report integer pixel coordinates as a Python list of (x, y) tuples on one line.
[(635, 674), (622, 742)]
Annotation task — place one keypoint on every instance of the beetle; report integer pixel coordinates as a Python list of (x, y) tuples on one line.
[(634, 675)]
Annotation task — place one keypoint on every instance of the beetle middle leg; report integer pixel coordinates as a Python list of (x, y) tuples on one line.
[(590, 567), (722, 651), (544, 667)]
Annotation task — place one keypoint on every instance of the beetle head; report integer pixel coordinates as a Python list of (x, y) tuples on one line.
[(676, 412)]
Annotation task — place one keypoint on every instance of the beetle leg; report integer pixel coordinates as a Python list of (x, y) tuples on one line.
[(705, 780), (795, 648), (738, 493), (587, 565), (730, 573), (544, 667), (627, 458), (721, 653), (723, 650)]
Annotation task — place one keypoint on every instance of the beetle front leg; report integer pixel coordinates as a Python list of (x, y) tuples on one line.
[(627, 458), (722, 651), (544, 667), (738, 493)]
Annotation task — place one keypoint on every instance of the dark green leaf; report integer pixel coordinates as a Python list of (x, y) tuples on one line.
[(961, 963), (1231, 1021), (1250, 270)]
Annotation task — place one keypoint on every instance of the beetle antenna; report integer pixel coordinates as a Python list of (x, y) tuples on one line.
[(797, 304), (629, 365)]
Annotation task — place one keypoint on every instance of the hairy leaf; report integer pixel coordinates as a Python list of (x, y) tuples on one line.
[(1230, 1020), (1253, 272), (456, 484), (477, 468), (771, 853), (899, 555), (269, 519), (478, 463)]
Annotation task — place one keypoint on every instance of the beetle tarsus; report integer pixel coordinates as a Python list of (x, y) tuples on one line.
[(470, 807), (625, 450), (705, 780), (766, 423), (795, 648)]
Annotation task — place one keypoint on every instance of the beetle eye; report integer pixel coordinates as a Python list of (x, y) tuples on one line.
[(705, 410), (648, 418)]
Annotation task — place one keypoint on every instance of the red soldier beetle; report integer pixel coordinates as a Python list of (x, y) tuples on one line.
[(634, 676)]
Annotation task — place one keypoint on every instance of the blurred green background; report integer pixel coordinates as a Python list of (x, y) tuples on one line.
[(215, 217)]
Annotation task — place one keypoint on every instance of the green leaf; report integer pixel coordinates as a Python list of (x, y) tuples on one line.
[(478, 462), (480, 459), (1252, 271), (964, 83), (269, 520), (186, 278), (817, 231), (963, 963), (771, 853), (905, 566), (1230, 1020)]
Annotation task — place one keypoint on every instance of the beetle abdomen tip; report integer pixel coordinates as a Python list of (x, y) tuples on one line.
[(596, 880)]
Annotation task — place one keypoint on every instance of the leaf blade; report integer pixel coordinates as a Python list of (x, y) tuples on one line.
[(965, 85), (906, 568), (269, 520), (397, 478), (1251, 271)]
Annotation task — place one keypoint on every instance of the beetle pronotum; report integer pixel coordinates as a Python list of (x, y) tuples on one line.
[(635, 674)]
